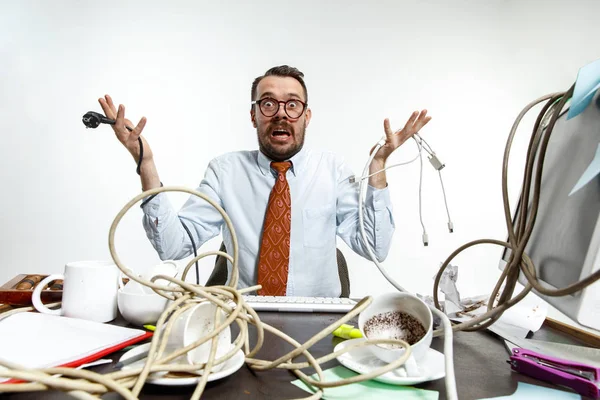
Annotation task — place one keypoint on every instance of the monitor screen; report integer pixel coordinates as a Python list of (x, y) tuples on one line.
[(559, 245)]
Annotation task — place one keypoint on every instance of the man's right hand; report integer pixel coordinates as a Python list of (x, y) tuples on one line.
[(129, 139)]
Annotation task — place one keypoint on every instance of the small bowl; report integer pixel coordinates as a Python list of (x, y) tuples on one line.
[(141, 309), (388, 327)]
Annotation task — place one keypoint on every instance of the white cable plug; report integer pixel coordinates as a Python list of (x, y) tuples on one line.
[(435, 161)]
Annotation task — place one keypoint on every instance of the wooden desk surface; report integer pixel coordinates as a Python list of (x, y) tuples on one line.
[(479, 358)]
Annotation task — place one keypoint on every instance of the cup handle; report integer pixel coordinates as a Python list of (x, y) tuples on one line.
[(37, 293)]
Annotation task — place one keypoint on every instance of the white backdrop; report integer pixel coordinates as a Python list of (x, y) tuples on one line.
[(188, 65)]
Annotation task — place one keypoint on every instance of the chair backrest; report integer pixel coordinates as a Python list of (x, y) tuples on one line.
[(219, 274)]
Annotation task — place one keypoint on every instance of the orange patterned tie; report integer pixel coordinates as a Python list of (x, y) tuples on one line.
[(275, 248)]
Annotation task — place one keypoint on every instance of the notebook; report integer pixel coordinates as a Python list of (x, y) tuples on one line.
[(34, 340)]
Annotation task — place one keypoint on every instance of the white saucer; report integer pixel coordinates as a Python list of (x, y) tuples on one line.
[(157, 378), (361, 360)]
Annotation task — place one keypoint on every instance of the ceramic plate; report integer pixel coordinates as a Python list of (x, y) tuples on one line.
[(361, 360), (229, 367)]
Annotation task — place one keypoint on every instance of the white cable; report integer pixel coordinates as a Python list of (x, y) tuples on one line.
[(361, 222), (437, 164), (391, 166), (425, 238), (448, 350), (394, 165), (427, 146), (450, 225), (448, 355)]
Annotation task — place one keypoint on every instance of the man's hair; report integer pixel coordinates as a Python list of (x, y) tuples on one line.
[(284, 71)]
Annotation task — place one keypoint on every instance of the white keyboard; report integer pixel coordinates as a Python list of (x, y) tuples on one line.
[(300, 304)]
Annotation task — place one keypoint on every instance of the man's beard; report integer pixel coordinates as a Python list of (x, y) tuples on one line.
[(273, 152)]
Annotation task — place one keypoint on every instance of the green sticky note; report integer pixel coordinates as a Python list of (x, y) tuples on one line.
[(365, 390)]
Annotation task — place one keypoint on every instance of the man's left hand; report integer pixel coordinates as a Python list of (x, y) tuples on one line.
[(393, 140)]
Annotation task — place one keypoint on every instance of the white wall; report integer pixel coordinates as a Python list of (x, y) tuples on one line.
[(187, 66)]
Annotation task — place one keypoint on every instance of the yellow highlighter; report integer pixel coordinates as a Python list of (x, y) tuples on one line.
[(347, 332), (150, 327)]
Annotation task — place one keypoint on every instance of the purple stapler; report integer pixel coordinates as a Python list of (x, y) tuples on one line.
[(582, 378)]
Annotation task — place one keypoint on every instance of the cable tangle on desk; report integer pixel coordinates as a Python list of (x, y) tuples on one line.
[(128, 383)]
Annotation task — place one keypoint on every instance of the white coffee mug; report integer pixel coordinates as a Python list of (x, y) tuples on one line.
[(89, 291), (398, 302), (193, 324)]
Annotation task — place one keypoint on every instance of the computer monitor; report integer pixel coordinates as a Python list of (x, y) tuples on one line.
[(565, 242)]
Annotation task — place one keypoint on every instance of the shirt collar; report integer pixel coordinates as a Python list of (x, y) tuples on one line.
[(298, 161)]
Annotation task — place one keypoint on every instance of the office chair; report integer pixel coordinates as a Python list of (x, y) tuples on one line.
[(219, 273)]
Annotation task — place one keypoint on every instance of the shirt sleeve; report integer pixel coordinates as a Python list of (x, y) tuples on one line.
[(165, 227), (378, 217)]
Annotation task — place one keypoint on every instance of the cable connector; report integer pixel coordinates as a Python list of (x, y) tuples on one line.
[(425, 239), (435, 161), (382, 141), (450, 226)]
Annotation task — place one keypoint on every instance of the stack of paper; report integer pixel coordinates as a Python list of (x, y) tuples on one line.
[(34, 340)]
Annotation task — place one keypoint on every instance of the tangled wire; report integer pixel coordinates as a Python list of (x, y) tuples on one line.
[(227, 299)]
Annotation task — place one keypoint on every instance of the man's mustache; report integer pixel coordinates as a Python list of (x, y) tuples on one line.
[(277, 126)]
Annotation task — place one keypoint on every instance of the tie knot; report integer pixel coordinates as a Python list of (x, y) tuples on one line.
[(281, 166)]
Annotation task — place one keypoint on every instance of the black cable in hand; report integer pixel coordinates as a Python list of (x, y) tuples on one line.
[(93, 119)]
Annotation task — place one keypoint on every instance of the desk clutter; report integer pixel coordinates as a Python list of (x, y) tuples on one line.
[(354, 363), (72, 342)]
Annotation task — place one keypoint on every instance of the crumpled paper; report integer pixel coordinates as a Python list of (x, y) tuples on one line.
[(528, 315), (448, 287)]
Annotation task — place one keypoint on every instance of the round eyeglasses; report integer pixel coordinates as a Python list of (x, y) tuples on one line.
[(269, 107)]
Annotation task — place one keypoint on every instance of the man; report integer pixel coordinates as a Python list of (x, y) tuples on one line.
[(287, 203)]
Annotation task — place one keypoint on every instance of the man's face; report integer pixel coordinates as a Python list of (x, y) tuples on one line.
[(279, 137)]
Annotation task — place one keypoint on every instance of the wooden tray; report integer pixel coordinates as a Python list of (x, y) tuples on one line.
[(9, 294)]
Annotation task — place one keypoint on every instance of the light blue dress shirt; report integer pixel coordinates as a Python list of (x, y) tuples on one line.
[(324, 204)]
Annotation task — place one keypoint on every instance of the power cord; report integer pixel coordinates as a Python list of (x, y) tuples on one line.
[(93, 119)]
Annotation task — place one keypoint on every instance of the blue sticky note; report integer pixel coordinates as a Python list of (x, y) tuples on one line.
[(590, 173), (526, 391), (586, 85)]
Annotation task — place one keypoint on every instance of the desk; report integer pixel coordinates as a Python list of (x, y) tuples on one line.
[(479, 359)]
